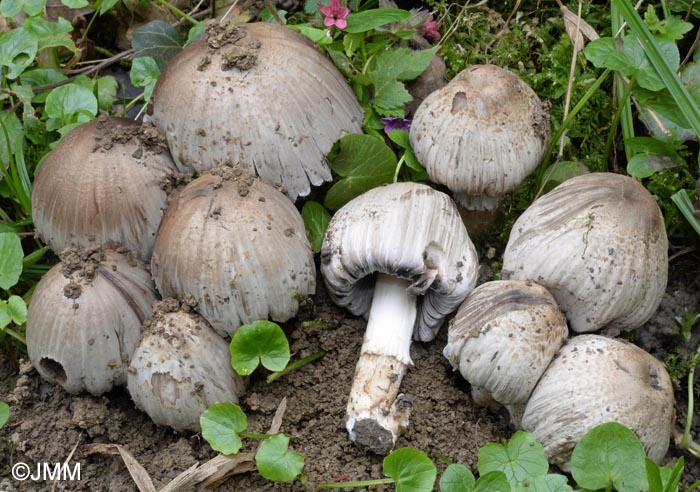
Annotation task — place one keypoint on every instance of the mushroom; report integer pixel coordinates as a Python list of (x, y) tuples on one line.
[(595, 379), (180, 367), (85, 317), (258, 94), (598, 243), (400, 256), (481, 135), (248, 256), (503, 338), (102, 185)]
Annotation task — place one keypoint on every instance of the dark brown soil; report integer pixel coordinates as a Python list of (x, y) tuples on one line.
[(46, 423)]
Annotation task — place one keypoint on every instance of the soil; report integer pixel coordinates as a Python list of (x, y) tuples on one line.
[(46, 423)]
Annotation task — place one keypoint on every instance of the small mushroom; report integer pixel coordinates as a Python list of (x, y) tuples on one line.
[(180, 367), (258, 94), (400, 256), (595, 379), (598, 243), (102, 185), (85, 317), (481, 135), (503, 338), (245, 257)]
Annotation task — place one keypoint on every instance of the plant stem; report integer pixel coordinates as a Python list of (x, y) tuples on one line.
[(15, 335), (621, 107), (295, 365), (178, 12), (361, 483), (252, 435), (398, 167)]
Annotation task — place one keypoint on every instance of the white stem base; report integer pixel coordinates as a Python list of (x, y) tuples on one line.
[(377, 414)]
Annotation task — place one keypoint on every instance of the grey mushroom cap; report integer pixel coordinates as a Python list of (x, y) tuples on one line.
[(102, 185), (85, 317), (181, 367), (502, 339), (407, 230), (595, 379), (260, 95), (481, 135), (598, 243), (245, 257)]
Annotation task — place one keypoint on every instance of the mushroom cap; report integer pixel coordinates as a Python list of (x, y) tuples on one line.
[(595, 379), (85, 317), (102, 185), (408, 230), (481, 134), (278, 115), (246, 256), (181, 367), (598, 243), (503, 338)]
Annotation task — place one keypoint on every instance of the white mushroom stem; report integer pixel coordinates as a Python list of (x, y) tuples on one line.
[(376, 412)]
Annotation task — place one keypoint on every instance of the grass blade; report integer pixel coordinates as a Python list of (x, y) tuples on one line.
[(682, 201)]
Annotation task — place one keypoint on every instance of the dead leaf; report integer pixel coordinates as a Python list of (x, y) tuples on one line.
[(577, 28)]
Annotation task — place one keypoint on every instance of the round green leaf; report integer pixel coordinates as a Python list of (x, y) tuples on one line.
[(411, 469), (457, 478), (221, 423), (494, 481), (11, 256), (4, 413), (523, 457), (544, 483), (70, 104), (17, 309), (259, 342), (18, 48), (276, 462), (609, 454)]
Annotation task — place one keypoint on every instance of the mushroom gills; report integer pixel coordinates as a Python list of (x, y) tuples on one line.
[(377, 413)]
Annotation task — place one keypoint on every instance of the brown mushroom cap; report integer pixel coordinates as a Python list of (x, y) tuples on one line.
[(481, 135), (595, 379), (238, 247), (407, 230), (598, 243), (102, 185), (260, 95)]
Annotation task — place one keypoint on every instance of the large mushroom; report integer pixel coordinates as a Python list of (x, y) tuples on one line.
[(400, 256), (481, 135), (102, 184), (85, 317), (595, 379), (598, 243), (258, 94), (247, 256), (503, 338)]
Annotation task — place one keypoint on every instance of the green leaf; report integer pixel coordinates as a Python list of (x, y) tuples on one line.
[(18, 49), (15, 132), (671, 477), (400, 138), (663, 104), (651, 155), (221, 423), (653, 476), (417, 172), (671, 28), (33, 127), (494, 481), (144, 73), (276, 462), (266, 16), (10, 8), (609, 455), (371, 19), (685, 205), (411, 469), (70, 104), (319, 36), (11, 256), (316, 219), (41, 76), (523, 457), (562, 171), (103, 88), (259, 342), (544, 483), (157, 39), (17, 310), (75, 4), (4, 413), (457, 478), (50, 34), (195, 33), (364, 162), (106, 6), (311, 7)]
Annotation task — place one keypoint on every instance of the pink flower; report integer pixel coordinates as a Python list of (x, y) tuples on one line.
[(430, 29), (335, 14)]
